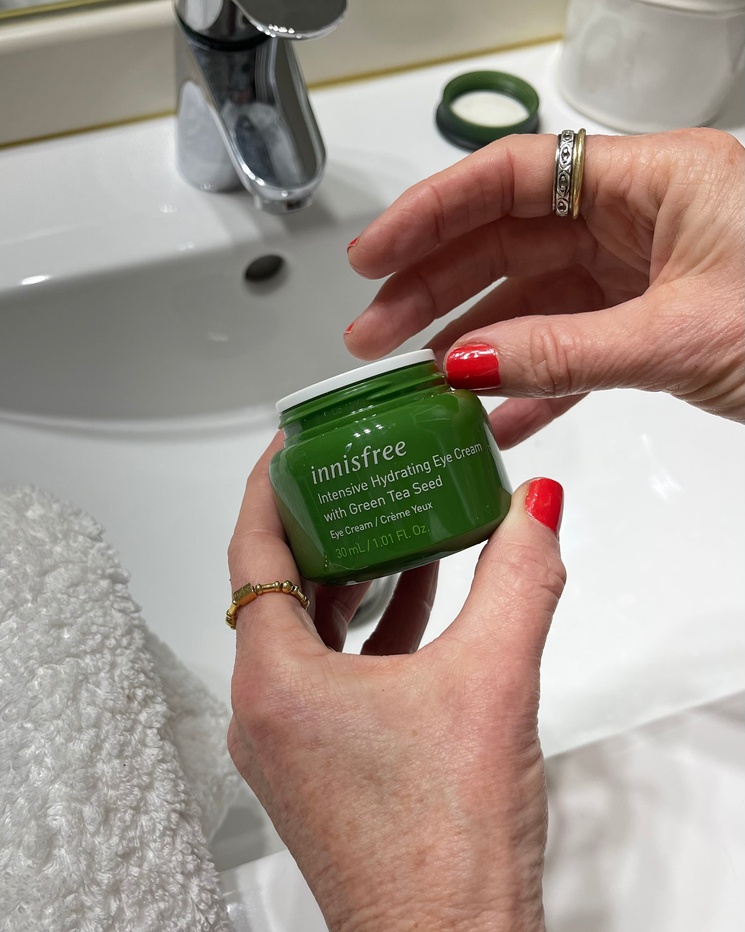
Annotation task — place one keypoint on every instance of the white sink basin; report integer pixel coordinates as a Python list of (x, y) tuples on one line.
[(137, 367), (186, 334)]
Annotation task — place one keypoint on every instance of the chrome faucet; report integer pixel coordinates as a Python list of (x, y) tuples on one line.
[(243, 110)]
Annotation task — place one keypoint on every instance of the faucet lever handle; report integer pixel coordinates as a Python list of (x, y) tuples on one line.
[(293, 19)]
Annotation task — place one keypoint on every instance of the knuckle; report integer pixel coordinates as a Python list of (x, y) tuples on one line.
[(427, 307), (554, 356), (437, 209), (715, 140), (251, 700), (236, 747), (233, 553), (242, 549), (534, 570), (265, 699), (711, 152)]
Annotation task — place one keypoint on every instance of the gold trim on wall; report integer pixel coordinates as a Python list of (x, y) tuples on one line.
[(62, 6), (89, 129)]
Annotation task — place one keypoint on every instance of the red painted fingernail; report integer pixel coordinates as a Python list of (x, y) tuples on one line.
[(545, 502), (352, 243), (473, 366), (349, 329)]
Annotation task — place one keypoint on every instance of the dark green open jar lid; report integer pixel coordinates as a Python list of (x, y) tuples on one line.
[(470, 134)]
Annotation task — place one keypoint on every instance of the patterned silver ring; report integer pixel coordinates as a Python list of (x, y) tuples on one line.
[(562, 201), (568, 173)]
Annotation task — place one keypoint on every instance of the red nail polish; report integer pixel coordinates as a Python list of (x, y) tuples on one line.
[(545, 502), (349, 329), (352, 243), (473, 366)]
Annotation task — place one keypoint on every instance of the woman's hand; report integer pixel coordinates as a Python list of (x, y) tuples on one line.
[(645, 290), (408, 786)]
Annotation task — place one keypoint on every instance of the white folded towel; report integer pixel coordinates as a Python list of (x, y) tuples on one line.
[(113, 767)]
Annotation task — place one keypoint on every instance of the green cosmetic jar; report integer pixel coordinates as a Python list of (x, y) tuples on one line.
[(385, 468)]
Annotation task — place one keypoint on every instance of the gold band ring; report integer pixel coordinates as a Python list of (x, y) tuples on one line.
[(248, 593), (568, 171), (578, 171)]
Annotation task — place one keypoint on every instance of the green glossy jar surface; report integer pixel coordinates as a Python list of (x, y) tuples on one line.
[(383, 471)]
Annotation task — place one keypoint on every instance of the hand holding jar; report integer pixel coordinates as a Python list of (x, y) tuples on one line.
[(408, 784), (644, 290)]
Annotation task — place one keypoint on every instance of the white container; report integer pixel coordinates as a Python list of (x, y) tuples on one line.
[(642, 67)]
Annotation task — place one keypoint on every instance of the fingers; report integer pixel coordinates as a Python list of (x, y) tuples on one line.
[(513, 177), (258, 553), (404, 621), (426, 290), (258, 549), (566, 354), (571, 290), (334, 608), (518, 581), (510, 177), (516, 419)]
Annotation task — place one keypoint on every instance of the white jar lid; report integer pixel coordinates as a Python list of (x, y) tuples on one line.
[(353, 376)]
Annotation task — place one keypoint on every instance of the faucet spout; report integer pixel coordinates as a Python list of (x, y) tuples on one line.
[(243, 111), (294, 19)]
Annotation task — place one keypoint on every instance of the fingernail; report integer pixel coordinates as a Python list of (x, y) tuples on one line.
[(545, 503), (349, 329), (352, 243), (473, 366)]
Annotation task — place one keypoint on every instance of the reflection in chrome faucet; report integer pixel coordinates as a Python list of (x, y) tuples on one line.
[(243, 109)]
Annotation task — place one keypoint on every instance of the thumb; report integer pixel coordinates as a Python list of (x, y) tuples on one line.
[(518, 581), (565, 354)]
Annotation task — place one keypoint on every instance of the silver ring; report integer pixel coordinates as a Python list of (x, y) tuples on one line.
[(562, 200), (568, 173)]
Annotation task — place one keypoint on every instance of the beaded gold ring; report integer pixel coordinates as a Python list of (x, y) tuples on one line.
[(248, 593)]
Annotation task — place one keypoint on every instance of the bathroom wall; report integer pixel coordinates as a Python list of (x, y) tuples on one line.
[(383, 34), (92, 67)]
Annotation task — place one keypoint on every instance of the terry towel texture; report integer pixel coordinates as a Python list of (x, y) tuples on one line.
[(113, 765)]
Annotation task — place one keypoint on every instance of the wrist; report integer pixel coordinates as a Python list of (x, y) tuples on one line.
[(451, 900), (419, 916)]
